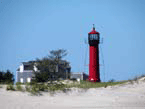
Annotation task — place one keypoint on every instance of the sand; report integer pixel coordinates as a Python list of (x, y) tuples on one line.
[(128, 96)]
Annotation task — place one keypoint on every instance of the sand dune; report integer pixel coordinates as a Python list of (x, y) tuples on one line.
[(127, 96)]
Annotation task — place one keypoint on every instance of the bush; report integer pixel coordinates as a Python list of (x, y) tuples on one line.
[(35, 89), (28, 87), (27, 83), (56, 87), (43, 87), (33, 82), (105, 86), (10, 87), (19, 83), (19, 87)]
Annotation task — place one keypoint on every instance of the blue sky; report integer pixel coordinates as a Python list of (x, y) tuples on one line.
[(29, 29)]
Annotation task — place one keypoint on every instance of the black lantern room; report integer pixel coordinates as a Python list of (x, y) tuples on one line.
[(93, 37)]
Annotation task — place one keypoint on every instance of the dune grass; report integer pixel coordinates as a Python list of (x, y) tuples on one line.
[(36, 88), (86, 84)]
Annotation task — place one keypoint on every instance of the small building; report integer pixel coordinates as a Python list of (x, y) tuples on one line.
[(26, 70), (81, 76)]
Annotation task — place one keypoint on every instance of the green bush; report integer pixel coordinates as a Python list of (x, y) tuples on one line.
[(35, 89), (19, 83), (56, 87), (10, 87), (28, 87), (105, 86), (43, 87), (19, 87), (27, 83), (33, 82)]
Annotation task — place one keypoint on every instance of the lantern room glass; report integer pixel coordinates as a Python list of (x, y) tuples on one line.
[(93, 37)]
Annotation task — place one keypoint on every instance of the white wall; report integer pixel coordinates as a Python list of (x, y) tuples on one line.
[(16, 76), (35, 68), (21, 68)]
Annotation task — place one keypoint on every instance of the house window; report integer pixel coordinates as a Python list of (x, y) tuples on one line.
[(28, 79), (26, 67), (21, 80)]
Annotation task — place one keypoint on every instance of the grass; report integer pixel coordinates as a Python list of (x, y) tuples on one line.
[(10, 87), (86, 84), (19, 87), (36, 88), (136, 79)]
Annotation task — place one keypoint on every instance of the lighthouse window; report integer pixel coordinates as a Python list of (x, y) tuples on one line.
[(93, 37)]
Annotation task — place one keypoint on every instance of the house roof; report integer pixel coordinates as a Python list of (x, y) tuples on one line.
[(28, 63), (28, 67)]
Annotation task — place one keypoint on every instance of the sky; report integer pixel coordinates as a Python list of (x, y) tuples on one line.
[(29, 29)]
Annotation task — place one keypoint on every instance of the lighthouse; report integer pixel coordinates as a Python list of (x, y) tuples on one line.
[(94, 39)]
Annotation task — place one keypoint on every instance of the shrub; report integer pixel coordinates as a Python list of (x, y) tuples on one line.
[(27, 83), (33, 82), (19, 83), (10, 87), (19, 87), (35, 89), (43, 87), (105, 86), (56, 87), (28, 87)]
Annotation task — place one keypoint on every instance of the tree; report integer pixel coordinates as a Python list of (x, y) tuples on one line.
[(1, 76), (48, 66), (57, 55), (44, 71), (6, 77)]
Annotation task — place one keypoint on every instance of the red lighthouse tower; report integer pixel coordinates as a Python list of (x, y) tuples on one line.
[(94, 39)]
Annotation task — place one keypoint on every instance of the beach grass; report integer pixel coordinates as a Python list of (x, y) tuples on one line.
[(36, 88), (87, 84)]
